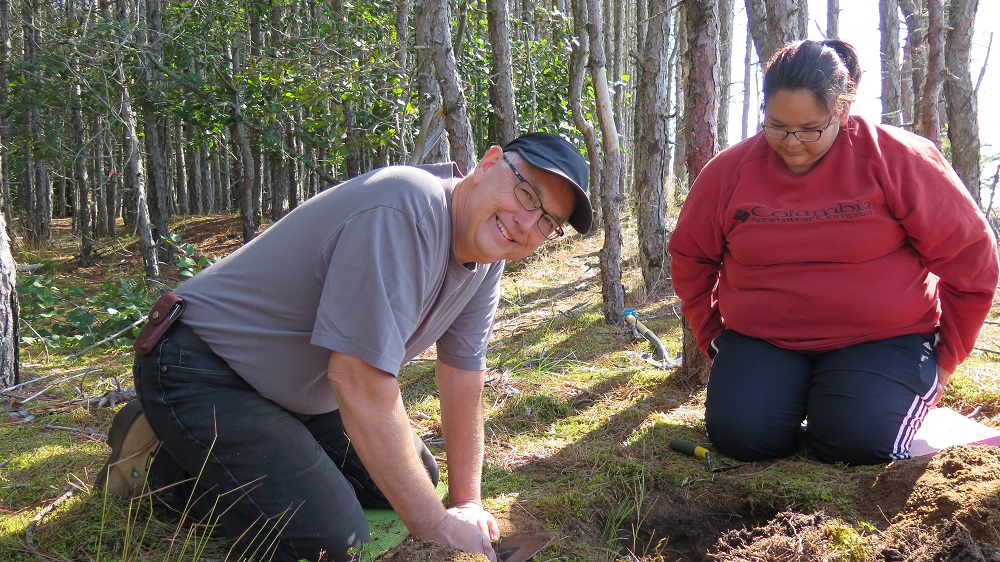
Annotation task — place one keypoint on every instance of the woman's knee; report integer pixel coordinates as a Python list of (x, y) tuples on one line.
[(750, 438)]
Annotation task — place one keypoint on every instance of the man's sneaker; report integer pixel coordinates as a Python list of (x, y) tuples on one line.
[(132, 443)]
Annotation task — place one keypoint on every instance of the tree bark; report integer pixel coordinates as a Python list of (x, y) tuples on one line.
[(776, 22), (38, 219), (133, 154), (703, 82), (5, 198), (652, 131), (453, 101), (726, 17), (747, 77), (501, 72), (832, 19), (431, 144), (931, 124), (914, 64), (9, 313), (80, 154), (611, 251), (577, 77), (157, 140), (963, 120), (892, 110)]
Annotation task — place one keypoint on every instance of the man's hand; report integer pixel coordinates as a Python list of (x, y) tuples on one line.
[(460, 534), (474, 513)]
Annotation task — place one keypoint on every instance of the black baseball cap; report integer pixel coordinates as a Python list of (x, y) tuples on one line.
[(553, 154)]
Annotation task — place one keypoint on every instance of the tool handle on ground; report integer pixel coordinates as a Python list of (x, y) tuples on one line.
[(688, 448)]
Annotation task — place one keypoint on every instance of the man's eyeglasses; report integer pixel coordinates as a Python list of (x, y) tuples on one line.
[(527, 196), (806, 135)]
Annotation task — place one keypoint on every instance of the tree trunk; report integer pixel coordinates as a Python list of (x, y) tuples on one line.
[(832, 19), (501, 72), (157, 140), (747, 77), (39, 200), (931, 117), (82, 213), (776, 22), (577, 77), (963, 121), (915, 63), (5, 198), (207, 189), (9, 313), (681, 64), (456, 114), (726, 18), (180, 169), (431, 144), (702, 108), (611, 251), (892, 111), (245, 159), (652, 132), (133, 154)]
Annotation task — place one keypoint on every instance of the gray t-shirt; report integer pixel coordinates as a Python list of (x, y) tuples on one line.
[(364, 268)]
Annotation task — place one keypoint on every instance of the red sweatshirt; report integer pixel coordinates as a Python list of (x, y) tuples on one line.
[(878, 239)]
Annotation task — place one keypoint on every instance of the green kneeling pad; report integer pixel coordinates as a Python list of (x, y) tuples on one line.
[(387, 530)]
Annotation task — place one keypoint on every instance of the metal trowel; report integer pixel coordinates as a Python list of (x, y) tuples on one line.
[(520, 548)]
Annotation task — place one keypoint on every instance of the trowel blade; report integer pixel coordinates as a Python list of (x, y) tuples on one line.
[(520, 548)]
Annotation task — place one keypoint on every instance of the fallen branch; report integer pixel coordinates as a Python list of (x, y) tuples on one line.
[(984, 350), (29, 532), (106, 340)]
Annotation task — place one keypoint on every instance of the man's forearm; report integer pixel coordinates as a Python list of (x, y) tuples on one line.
[(375, 420), (462, 423)]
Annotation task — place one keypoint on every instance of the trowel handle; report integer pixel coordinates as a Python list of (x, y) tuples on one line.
[(688, 448)]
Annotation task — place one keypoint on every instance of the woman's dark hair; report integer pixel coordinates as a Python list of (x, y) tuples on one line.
[(828, 69)]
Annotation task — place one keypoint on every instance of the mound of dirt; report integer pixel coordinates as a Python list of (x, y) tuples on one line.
[(957, 484), (941, 509)]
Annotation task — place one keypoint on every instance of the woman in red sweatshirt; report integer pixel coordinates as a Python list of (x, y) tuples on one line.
[(836, 270)]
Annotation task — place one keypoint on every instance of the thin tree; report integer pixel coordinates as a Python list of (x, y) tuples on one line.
[(154, 115), (431, 144), (9, 313), (36, 189), (80, 174), (134, 162), (931, 123), (726, 18), (652, 129), (776, 22), (963, 120), (501, 73), (5, 197), (453, 100), (577, 77), (611, 164), (703, 82), (914, 63), (892, 110), (832, 19)]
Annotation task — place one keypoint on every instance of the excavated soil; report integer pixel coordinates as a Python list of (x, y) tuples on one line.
[(938, 509)]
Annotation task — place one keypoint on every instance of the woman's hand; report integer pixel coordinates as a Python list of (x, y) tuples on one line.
[(942, 380)]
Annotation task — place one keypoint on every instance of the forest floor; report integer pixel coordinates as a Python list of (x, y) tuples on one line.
[(577, 431)]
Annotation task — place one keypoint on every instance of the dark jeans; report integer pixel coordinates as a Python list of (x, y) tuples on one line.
[(284, 486), (861, 404)]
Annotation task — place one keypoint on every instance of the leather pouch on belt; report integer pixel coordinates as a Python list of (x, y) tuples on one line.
[(165, 312)]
